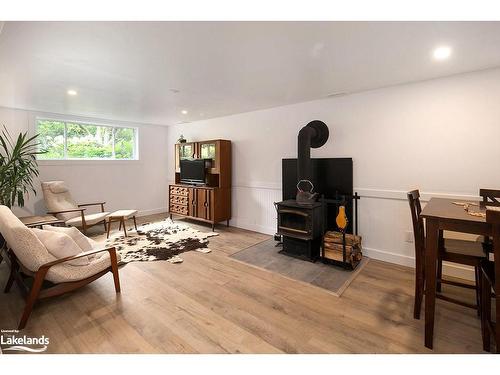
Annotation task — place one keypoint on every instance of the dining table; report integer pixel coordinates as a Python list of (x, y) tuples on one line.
[(465, 216)]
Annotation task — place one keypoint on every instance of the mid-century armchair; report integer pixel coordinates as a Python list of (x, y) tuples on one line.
[(29, 258), (60, 203)]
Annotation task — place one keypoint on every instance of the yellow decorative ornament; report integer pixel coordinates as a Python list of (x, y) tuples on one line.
[(341, 219)]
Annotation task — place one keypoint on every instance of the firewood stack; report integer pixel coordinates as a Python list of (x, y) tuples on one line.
[(333, 246)]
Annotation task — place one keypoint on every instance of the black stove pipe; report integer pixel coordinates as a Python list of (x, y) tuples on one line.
[(314, 134)]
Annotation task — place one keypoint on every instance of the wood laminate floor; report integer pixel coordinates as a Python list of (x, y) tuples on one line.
[(214, 304)]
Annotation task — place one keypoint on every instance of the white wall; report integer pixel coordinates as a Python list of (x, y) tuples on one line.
[(439, 136), (139, 184)]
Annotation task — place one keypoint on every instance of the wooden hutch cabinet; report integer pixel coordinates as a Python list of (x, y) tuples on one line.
[(211, 202)]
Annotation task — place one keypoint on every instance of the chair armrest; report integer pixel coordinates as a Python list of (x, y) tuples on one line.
[(94, 204), (91, 204), (110, 250), (65, 211)]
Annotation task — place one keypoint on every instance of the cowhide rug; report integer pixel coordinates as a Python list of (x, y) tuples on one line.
[(163, 240)]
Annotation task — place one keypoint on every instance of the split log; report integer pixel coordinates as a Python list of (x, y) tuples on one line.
[(352, 257), (336, 237), (333, 247), (337, 247)]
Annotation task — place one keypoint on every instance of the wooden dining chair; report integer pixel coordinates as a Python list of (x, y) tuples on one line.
[(468, 253), (490, 197), (489, 272)]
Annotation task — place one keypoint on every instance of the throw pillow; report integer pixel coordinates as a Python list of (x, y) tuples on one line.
[(60, 245), (85, 243)]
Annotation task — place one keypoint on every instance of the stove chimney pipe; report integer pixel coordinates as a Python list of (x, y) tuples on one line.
[(314, 134)]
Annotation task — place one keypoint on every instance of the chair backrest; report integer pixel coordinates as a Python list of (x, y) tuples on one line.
[(58, 198), (493, 217), (22, 241), (490, 197), (418, 222)]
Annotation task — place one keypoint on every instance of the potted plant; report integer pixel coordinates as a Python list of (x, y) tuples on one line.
[(181, 139), (18, 167)]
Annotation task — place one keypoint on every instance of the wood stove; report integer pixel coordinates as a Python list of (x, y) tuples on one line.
[(301, 219)]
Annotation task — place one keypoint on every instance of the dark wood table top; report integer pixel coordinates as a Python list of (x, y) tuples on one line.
[(444, 208)]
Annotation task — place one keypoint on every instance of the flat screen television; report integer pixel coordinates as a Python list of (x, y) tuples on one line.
[(193, 171)]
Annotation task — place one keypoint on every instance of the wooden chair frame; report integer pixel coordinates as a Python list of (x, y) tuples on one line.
[(18, 272), (419, 238), (489, 280), (490, 197), (85, 226)]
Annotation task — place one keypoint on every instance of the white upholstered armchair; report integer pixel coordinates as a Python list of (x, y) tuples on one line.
[(30, 258), (60, 203)]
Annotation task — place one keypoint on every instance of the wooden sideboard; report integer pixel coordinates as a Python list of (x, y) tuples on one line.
[(209, 203)]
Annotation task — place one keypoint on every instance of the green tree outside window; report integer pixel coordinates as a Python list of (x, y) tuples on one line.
[(72, 140)]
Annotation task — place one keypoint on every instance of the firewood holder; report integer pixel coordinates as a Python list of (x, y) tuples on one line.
[(340, 200)]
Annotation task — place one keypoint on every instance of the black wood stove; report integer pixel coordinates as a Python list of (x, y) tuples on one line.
[(301, 218)]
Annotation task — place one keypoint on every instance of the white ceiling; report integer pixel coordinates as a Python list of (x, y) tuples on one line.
[(129, 70)]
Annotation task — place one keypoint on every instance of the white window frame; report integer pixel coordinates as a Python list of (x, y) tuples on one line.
[(92, 123)]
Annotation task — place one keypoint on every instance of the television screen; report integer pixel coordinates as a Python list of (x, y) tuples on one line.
[(193, 171)]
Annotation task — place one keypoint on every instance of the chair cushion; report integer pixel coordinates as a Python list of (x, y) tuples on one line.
[(58, 187), (89, 219), (60, 245), (85, 243), (58, 198), (462, 247), (64, 272), (123, 213)]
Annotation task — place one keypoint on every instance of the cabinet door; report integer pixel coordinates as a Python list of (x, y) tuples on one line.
[(209, 150), (192, 203), (202, 204), (184, 151)]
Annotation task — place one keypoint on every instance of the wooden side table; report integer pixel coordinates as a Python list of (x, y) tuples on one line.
[(121, 216), (38, 221)]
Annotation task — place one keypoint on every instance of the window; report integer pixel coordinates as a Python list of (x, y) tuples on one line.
[(75, 140)]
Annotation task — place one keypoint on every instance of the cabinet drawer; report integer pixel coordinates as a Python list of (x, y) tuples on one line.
[(179, 209), (179, 199), (179, 190)]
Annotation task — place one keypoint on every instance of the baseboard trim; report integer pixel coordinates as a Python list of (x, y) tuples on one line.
[(253, 227), (152, 211), (387, 256), (459, 271), (449, 269)]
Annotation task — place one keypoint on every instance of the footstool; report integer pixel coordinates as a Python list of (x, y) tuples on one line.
[(121, 216)]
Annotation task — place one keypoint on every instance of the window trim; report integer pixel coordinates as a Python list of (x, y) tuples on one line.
[(101, 123)]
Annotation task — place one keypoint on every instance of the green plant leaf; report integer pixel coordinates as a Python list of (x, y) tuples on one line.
[(18, 166)]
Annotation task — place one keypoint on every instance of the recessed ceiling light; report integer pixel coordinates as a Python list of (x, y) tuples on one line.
[(72, 92), (184, 112), (441, 53)]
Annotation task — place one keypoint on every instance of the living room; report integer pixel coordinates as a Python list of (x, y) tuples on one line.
[(249, 187)]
